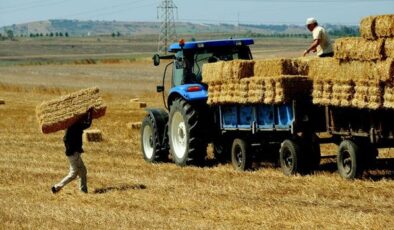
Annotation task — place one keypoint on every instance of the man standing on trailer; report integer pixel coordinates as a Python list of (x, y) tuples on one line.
[(321, 44)]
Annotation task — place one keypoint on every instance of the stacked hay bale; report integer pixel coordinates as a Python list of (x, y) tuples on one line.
[(360, 70), (264, 81), (61, 113)]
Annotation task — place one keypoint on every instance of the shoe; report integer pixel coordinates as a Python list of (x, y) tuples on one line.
[(54, 190), (84, 190)]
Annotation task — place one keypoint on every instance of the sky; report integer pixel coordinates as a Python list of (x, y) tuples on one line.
[(345, 12)]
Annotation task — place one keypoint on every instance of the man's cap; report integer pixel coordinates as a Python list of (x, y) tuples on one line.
[(310, 21)]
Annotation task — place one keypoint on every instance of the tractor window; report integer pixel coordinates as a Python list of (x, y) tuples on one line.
[(177, 73)]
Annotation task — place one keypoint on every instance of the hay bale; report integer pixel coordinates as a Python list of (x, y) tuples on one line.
[(2, 101), (281, 66), (358, 49), (61, 113), (384, 26), (290, 87), (237, 69), (330, 68), (367, 28), (342, 93), (388, 96), (368, 95), (92, 135), (212, 71), (137, 105), (389, 48), (135, 125), (322, 92)]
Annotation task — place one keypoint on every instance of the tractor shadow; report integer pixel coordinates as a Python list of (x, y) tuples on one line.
[(124, 187)]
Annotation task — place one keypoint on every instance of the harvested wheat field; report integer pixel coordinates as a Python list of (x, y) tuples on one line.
[(127, 193)]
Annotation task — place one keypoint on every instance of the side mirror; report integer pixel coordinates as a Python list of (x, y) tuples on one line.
[(156, 59), (159, 88)]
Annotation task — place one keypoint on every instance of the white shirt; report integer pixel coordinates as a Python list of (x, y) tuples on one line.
[(324, 46)]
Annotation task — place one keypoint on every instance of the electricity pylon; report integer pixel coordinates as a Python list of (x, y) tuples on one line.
[(165, 12)]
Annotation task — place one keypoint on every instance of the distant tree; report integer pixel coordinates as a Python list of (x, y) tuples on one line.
[(46, 35), (60, 34), (41, 34), (57, 34), (1, 35), (31, 35), (10, 34), (113, 34), (66, 34), (37, 34), (51, 34), (118, 34)]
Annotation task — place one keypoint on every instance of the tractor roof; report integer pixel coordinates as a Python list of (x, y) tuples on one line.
[(212, 43)]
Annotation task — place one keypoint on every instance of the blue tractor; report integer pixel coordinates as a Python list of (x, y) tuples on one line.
[(185, 127)]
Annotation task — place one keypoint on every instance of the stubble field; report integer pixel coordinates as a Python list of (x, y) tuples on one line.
[(126, 192)]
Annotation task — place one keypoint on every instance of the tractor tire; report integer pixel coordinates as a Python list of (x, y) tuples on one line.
[(290, 158), (185, 134), (349, 160), (150, 142), (240, 155)]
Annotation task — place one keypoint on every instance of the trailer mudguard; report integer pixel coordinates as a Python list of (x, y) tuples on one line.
[(189, 92)]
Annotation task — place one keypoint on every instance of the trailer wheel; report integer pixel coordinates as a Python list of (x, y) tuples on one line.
[(240, 155), (185, 133), (150, 143), (290, 157), (349, 160)]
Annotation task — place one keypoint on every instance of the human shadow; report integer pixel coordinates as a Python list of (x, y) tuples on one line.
[(123, 187)]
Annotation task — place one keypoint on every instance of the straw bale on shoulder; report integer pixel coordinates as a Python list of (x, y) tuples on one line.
[(61, 113)]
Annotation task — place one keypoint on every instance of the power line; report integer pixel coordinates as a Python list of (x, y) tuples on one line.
[(167, 29)]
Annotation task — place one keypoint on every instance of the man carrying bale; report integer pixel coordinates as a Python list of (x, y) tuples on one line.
[(73, 143), (321, 42)]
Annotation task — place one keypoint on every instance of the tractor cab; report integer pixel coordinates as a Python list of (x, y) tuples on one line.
[(189, 57)]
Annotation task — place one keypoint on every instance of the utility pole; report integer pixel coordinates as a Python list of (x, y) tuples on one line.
[(165, 12)]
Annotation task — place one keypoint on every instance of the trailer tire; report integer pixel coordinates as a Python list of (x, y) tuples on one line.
[(290, 157), (185, 134), (150, 142), (349, 160), (240, 155)]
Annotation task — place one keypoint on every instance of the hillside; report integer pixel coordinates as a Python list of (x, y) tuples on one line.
[(86, 28)]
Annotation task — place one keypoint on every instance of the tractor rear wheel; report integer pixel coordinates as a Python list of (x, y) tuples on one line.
[(150, 143), (240, 155), (185, 134)]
